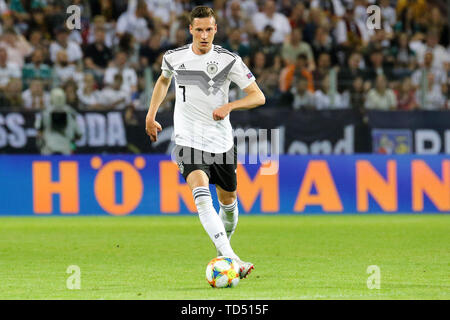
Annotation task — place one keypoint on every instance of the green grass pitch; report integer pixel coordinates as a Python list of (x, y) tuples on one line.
[(296, 257)]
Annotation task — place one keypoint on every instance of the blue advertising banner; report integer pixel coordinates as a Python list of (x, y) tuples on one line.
[(151, 184)]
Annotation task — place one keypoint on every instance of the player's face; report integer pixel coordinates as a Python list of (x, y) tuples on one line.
[(203, 31)]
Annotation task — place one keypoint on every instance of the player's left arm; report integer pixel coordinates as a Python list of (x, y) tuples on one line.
[(255, 97)]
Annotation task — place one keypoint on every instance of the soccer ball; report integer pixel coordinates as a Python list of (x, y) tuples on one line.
[(222, 272)]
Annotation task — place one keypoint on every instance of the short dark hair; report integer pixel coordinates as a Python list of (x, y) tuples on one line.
[(302, 56), (268, 28), (202, 12)]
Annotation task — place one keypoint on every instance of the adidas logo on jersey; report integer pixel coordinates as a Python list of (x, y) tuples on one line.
[(182, 67)]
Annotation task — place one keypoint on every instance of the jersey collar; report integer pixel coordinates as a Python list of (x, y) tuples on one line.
[(201, 55)]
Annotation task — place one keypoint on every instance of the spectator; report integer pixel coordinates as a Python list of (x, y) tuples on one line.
[(315, 20), (291, 72), (327, 97), (12, 95), (181, 38), (113, 96), (295, 46), (129, 45), (409, 22), (441, 56), (303, 98), (16, 46), (21, 9), (352, 34), (164, 10), (109, 9), (56, 14), (70, 89), (88, 95), (285, 7), (266, 76), (134, 21), (334, 7), (350, 73), (35, 98), (97, 55), (257, 65), (234, 44), (417, 7), (322, 70), (109, 36), (37, 69), (359, 10), (37, 41), (62, 42), (248, 8), (150, 51), (404, 57), (357, 95), (406, 98), (436, 22), (297, 18), (381, 97), (420, 77), (63, 70), (388, 12), (120, 67), (430, 96), (180, 23), (278, 21), (234, 16), (376, 68), (8, 23), (263, 44), (39, 23), (324, 43), (379, 41), (8, 70)]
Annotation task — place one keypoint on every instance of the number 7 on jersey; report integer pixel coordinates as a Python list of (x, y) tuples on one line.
[(184, 92)]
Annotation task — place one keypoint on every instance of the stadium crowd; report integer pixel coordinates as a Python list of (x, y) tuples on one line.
[(317, 54)]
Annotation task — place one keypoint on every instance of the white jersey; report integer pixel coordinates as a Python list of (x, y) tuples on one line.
[(201, 84)]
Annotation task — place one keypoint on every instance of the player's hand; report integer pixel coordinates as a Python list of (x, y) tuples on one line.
[(221, 112), (152, 127)]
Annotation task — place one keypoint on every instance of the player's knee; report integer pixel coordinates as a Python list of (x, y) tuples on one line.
[(228, 198), (196, 179)]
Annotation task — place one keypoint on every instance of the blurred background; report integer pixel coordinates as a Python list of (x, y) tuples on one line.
[(327, 76)]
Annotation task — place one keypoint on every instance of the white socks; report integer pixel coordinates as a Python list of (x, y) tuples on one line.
[(229, 214), (211, 222)]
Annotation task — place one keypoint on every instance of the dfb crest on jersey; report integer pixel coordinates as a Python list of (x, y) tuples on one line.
[(212, 67)]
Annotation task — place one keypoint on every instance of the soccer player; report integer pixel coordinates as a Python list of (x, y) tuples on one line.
[(205, 150)]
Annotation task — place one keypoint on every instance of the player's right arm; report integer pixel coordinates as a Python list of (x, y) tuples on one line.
[(152, 127)]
